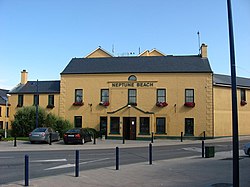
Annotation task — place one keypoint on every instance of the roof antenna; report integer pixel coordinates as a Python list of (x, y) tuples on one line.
[(199, 47), (113, 48), (139, 50)]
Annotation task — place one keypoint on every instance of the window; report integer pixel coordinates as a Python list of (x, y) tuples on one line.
[(78, 121), (243, 94), (8, 112), (78, 96), (189, 96), (132, 96), (144, 125), (161, 95), (160, 125), (1, 124), (189, 126), (20, 101), (36, 100), (50, 101), (104, 95), (132, 78), (114, 125), (0, 111)]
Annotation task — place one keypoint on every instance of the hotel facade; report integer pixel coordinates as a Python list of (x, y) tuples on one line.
[(135, 96)]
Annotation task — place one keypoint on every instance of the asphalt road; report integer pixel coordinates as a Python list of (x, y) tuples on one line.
[(47, 163)]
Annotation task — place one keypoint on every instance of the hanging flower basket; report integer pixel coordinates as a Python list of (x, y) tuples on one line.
[(78, 103), (104, 103), (243, 102), (161, 104), (189, 104)]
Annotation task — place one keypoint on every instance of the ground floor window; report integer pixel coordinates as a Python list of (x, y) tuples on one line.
[(1, 124), (160, 125), (114, 125), (78, 121), (144, 125), (189, 126)]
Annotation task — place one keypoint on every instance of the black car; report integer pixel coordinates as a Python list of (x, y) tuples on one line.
[(77, 135)]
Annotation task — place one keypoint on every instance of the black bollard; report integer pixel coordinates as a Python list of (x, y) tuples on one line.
[(117, 158), (204, 135), (15, 141), (202, 148), (152, 138), (26, 171), (150, 154), (94, 139), (77, 164), (50, 138), (181, 136)]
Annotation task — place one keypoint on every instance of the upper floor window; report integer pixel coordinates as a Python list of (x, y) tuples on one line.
[(189, 95), (132, 78), (36, 100), (50, 101), (78, 96), (243, 99), (104, 95), (243, 94), (20, 101), (132, 96), (0, 111), (161, 95), (8, 112)]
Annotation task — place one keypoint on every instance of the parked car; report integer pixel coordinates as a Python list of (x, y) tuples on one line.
[(42, 134), (77, 135), (246, 148)]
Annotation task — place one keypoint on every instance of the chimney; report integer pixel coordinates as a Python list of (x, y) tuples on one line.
[(203, 50), (24, 77)]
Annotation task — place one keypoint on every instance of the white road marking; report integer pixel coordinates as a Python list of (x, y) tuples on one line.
[(73, 165), (52, 160), (195, 149)]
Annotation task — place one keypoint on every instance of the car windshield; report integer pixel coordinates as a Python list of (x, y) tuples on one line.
[(74, 130), (40, 130)]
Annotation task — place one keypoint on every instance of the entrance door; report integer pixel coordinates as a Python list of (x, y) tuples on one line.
[(129, 128), (103, 126)]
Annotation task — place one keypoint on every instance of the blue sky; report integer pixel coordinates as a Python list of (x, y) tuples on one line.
[(42, 36)]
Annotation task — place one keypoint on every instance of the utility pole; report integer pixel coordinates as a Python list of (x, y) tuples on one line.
[(234, 100)]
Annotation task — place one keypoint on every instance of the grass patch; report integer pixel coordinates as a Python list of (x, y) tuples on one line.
[(18, 138)]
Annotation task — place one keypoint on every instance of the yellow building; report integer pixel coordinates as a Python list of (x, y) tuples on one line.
[(135, 96), (4, 112)]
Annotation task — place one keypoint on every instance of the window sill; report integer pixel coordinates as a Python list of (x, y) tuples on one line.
[(115, 133), (143, 133), (78, 103)]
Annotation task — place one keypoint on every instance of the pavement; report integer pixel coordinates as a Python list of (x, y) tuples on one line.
[(188, 171)]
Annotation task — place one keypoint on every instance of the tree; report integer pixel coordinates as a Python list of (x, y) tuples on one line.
[(25, 121)]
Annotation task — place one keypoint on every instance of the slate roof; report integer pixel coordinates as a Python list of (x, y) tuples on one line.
[(225, 80), (44, 87), (3, 94), (142, 64)]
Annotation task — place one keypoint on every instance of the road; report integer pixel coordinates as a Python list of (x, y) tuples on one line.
[(47, 163)]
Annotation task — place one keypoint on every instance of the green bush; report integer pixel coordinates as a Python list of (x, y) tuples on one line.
[(25, 121), (92, 131)]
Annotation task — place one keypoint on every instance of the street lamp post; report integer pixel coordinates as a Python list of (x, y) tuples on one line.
[(37, 103), (6, 115)]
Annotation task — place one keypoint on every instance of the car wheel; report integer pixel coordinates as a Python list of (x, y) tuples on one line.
[(248, 152), (83, 141), (31, 142)]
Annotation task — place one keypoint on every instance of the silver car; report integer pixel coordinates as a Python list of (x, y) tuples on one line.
[(42, 134), (246, 148)]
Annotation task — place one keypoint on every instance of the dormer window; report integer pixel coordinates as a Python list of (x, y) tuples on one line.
[(132, 78)]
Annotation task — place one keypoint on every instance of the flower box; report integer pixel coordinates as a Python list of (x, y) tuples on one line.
[(189, 104), (104, 103), (243, 102), (161, 104), (133, 104), (50, 106), (78, 103)]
